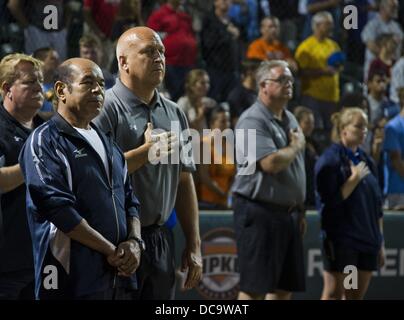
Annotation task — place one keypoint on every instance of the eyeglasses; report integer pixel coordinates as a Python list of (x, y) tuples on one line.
[(283, 80)]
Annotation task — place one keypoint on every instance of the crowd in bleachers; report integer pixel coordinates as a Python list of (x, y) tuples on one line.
[(214, 46)]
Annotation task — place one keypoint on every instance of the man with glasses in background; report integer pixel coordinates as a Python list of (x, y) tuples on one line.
[(268, 215)]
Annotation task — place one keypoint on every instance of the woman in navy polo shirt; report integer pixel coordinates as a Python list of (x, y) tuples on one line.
[(350, 204)]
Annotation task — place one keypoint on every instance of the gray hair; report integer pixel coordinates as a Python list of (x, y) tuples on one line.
[(384, 3), (274, 19), (320, 17), (266, 66)]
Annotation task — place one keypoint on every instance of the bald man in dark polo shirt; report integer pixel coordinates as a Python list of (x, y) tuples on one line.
[(133, 107), (270, 190)]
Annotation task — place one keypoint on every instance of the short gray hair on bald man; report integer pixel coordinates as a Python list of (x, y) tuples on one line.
[(265, 67), (320, 17)]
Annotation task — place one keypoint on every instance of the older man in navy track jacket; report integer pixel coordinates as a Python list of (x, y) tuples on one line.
[(82, 214)]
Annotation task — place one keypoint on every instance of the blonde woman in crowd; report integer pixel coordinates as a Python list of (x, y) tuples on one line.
[(195, 103)]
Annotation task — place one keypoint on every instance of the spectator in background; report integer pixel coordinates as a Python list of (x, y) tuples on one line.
[(377, 84), (90, 48), (379, 104), (238, 14), (50, 59), (382, 23), (397, 78), (305, 118), (373, 7), (100, 16), (245, 93), (106, 18), (216, 178), (220, 50), (350, 207), (387, 54), (316, 6), (376, 152), (287, 12), (394, 148), (381, 109), (149, 5), (175, 28), (129, 15), (244, 13), (268, 47), (319, 80), (195, 104), (37, 34)]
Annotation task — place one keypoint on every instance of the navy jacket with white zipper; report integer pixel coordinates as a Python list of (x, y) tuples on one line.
[(66, 181)]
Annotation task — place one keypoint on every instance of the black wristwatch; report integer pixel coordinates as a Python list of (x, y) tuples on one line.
[(140, 242)]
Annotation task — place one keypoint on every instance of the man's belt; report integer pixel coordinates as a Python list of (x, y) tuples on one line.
[(273, 206)]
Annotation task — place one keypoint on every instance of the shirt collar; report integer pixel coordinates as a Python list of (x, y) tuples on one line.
[(63, 126), (270, 115), (356, 156), (66, 128), (36, 120), (129, 97)]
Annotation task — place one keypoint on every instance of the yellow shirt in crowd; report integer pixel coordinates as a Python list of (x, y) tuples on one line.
[(313, 54)]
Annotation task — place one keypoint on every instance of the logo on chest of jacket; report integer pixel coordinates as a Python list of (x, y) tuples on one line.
[(79, 153)]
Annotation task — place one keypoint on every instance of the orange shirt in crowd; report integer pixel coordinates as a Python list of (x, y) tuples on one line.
[(262, 50), (222, 173)]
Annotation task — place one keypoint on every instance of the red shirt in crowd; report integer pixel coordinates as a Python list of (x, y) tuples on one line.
[(378, 64), (179, 39), (104, 12)]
